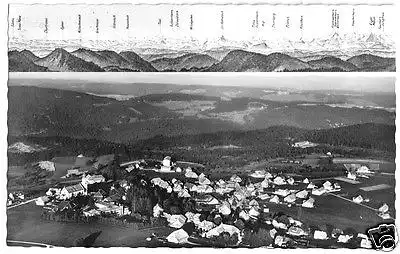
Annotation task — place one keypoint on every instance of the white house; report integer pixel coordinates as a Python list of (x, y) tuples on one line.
[(70, 191), (279, 181), (351, 176), (364, 170), (167, 161), (41, 201), (258, 174), (359, 199), (282, 192), (302, 194), (384, 208), (274, 199), (167, 164), (328, 186), (203, 180), (253, 212), (308, 203), (264, 196), (290, 180), (191, 174), (179, 236), (311, 186), (92, 179), (90, 213), (322, 235), (53, 192), (296, 231), (319, 191), (235, 178), (290, 198)]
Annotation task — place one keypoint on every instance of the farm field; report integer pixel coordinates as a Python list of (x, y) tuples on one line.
[(24, 224)]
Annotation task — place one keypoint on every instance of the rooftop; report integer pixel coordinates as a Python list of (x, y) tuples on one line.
[(75, 188)]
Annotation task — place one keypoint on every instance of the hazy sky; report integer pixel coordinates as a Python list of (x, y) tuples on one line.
[(239, 22), (372, 82)]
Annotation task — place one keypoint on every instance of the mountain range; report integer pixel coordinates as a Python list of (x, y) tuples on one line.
[(236, 60)]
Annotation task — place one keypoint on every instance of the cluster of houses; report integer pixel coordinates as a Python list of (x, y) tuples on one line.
[(240, 200), (84, 164), (58, 199), (15, 198), (167, 165), (358, 170), (246, 202)]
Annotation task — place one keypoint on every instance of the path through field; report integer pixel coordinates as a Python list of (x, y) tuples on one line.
[(28, 244), (22, 203)]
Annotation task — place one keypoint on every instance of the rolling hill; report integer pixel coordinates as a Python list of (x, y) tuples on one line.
[(250, 145), (332, 62), (187, 62), (137, 63), (244, 61), (370, 62), (114, 59), (61, 60), (91, 56), (369, 136), (30, 55)]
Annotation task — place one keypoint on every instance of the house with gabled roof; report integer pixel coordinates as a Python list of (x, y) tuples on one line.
[(98, 195), (64, 205), (92, 179), (73, 190)]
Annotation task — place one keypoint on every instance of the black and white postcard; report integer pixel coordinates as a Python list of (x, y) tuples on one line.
[(194, 124)]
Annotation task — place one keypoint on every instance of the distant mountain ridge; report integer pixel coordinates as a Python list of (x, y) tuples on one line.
[(187, 62), (332, 62), (244, 61), (236, 60)]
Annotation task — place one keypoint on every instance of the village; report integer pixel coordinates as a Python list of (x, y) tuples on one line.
[(233, 210)]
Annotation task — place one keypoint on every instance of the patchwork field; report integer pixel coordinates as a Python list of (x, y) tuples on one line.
[(187, 108)]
